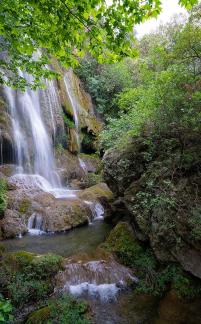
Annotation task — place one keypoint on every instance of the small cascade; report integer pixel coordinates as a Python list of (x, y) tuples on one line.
[(75, 106), (101, 279), (83, 165), (50, 98), (35, 224), (97, 210)]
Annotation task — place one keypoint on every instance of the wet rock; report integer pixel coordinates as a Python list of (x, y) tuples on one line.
[(99, 193), (61, 215), (69, 166), (7, 169), (13, 224), (92, 162)]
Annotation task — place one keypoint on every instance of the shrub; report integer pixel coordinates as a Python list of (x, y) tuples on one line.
[(5, 310), (63, 310), (3, 197), (26, 277)]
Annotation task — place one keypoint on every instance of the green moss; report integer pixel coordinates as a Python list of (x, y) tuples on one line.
[(93, 179), (26, 277), (96, 192), (47, 265), (69, 123), (63, 310), (154, 278), (40, 316), (121, 242), (24, 206), (18, 260)]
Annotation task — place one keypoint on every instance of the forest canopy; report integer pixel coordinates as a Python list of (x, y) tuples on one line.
[(67, 30), (157, 91)]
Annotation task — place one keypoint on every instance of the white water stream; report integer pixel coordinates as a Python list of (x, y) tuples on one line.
[(34, 147), (68, 81)]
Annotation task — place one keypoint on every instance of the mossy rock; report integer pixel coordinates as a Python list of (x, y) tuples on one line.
[(24, 206), (47, 265), (99, 191), (40, 316), (121, 241)]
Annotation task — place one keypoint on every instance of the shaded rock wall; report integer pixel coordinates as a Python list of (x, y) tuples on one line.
[(158, 182)]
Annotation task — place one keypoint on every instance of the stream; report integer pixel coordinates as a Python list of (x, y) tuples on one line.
[(80, 240), (127, 307)]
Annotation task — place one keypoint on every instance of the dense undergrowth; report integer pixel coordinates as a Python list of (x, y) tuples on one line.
[(27, 280)]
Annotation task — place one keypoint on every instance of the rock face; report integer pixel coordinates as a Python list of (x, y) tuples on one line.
[(158, 182), (69, 166), (73, 97), (6, 140)]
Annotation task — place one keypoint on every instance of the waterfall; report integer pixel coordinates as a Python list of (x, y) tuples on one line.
[(35, 224), (52, 101), (34, 147)]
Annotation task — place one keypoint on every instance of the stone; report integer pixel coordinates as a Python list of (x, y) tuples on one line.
[(97, 192), (12, 224)]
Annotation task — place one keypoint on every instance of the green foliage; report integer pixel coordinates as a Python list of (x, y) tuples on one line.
[(67, 30), (93, 179), (104, 82), (63, 309), (69, 123), (159, 90), (66, 310), (3, 198), (5, 310), (23, 288), (195, 223), (26, 277)]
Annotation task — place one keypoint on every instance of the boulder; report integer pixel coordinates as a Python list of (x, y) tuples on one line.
[(99, 192), (13, 224)]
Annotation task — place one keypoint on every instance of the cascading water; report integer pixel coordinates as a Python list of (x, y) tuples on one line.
[(35, 158), (70, 92), (75, 106)]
